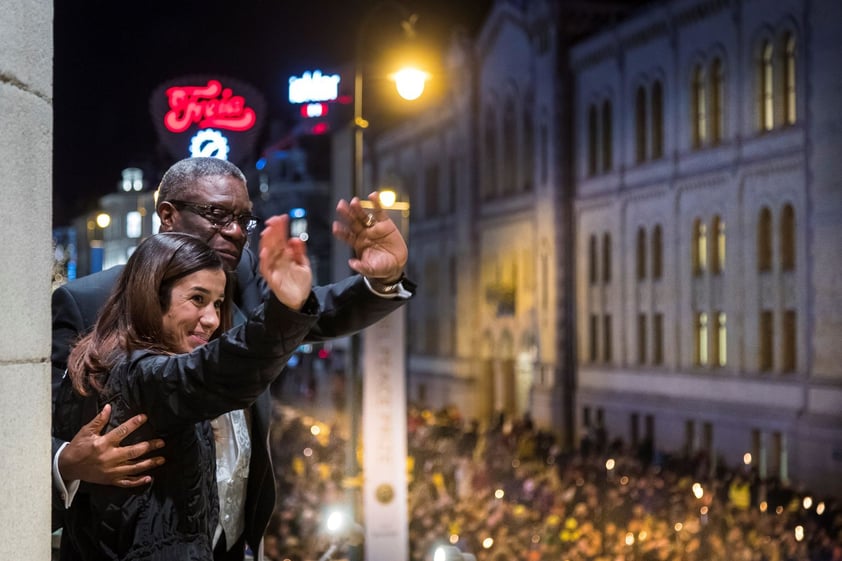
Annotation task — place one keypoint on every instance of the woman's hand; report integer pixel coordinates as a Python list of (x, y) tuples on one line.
[(284, 263)]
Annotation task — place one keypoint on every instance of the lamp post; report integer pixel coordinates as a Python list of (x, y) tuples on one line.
[(410, 85), (96, 225)]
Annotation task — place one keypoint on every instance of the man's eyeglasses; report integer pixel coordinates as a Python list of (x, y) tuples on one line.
[(219, 217)]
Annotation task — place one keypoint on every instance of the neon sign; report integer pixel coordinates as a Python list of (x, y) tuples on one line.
[(208, 106), (313, 87)]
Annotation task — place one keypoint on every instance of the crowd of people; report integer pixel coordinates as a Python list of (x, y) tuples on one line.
[(508, 492)]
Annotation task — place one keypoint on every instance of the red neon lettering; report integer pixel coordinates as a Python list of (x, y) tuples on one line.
[(209, 106)]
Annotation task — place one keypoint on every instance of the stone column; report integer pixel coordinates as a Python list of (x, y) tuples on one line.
[(26, 113)]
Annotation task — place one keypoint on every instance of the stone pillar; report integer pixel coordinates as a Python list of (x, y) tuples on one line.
[(26, 69)]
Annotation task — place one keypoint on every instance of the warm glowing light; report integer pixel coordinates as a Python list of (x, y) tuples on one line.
[(335, 521), (536, 538), (315, 430), (799, 533), (487, 543), (698, 492), (820, 508), (609, 464), (747, 458), (624, 480), (779, 510), (764, 506), (678, 526), (807, 502), (103, 219), (642, 535), (703, 511), (410, 82), (453, 538), (499, 493), (629, 538), (308, 452), (387, 198)]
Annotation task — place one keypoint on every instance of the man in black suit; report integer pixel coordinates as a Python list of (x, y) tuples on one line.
[(208, 198)]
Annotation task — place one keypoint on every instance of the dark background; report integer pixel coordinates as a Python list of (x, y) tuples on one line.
[(110, 56)]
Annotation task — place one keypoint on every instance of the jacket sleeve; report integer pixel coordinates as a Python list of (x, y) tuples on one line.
[(346, 307), (225, 374)]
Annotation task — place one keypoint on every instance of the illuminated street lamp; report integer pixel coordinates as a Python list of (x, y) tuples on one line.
[(95, 228), (410, 85)]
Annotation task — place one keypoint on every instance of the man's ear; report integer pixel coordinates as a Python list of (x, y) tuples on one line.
[(166, 212)]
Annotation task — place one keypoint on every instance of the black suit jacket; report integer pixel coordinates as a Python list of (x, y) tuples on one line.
[(344, 308)]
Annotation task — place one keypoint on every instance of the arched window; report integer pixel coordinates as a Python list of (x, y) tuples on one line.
[(700, 247), (606, 257), (720, 354), (607, 153), (789, 87), (528, 161), (788, 238), (641, 254), (718, 247), (593, 262), (764, 240), (490, 167), (593, 140), (640, 124), (767, 87), (717, 96), (657, 120), (701, 354), (510, 152), (699, 107), (657, 252)]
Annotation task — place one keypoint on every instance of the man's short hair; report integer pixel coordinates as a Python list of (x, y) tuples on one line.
[(183, 174)]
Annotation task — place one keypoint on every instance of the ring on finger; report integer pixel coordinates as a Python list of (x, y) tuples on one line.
[(369, 220)]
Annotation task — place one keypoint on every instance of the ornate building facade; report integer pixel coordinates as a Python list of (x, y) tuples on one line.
[(634, 222)]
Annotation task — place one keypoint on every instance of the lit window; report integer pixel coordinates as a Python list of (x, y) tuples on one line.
[(767, 88), (700, 247), (134, 224), (721, 340), (718, 261), (789, 79), (699, 108), (701, 339), (717, 94)]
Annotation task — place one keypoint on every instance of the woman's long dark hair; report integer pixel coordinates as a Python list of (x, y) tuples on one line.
[(132, 318)]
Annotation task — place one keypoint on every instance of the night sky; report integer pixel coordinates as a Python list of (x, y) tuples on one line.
[(110, 56)]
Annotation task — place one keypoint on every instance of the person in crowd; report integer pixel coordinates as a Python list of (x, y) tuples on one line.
[(208, 197), (157, 349)]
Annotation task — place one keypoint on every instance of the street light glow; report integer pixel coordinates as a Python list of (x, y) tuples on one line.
[(410, 82), (103, 219)]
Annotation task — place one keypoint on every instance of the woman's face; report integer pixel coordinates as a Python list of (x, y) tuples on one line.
[(193, 315)]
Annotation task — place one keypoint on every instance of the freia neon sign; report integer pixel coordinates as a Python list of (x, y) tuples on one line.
[(207, 106)]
